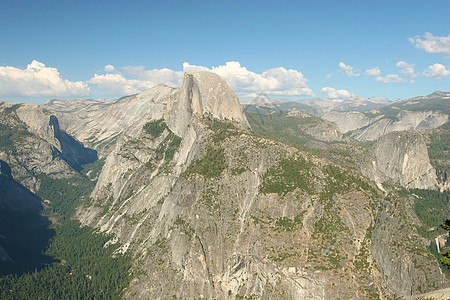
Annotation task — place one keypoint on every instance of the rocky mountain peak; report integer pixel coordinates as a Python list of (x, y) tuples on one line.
[(204, 93)]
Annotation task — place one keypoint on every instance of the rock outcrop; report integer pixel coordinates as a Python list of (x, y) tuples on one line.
[(98, 123), (34, 144), (401, 158), (407, 121), (347, 121)]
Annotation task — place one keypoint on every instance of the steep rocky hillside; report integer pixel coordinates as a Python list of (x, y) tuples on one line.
[(32, 143), (209, 209), (98, 123)]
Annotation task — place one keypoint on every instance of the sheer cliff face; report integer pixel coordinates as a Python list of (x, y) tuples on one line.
[(210, 210), (402, 158), (203, 93)]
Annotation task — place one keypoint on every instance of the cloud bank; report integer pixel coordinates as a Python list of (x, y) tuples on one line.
[(437, 71), (334, 93), (245, 83), (276, 81), (37, 80)]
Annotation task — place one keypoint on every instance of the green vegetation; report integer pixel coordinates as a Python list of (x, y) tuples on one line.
[(12, 135), (432, 208), (12, 130), (64, 194), (85, 269), (280, 127), (25, 236), (288, 224), (155, 128), (440, 143), (340, 181), (167, 148), (433, 104), (288, 175), (211, 165), (221, 129), (439, 151), (92, 170), (445, 260), (390, 112)]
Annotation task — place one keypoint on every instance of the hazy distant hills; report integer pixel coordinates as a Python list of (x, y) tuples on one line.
[(317, 106)]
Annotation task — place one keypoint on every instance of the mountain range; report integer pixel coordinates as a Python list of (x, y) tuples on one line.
[(211, 198)]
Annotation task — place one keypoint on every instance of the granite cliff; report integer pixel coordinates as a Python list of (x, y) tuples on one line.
[(401, 158), (209, 209)]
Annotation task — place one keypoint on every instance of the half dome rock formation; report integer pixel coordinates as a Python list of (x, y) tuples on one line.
[(204, 93)]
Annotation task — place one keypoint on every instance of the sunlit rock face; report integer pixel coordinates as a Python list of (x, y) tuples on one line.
[(402, 158)]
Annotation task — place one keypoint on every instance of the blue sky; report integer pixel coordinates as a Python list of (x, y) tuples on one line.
[(287, 49)]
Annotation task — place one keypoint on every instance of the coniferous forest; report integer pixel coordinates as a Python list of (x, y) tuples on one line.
[(59, 259)]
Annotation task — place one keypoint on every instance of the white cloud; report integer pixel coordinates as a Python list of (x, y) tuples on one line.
[(437, 71), (432, 44), (117, 85), (407, 69), (37, 80), (165, 76), (334, 93), (328, 76), (276, 81), (348, 70), (373, 72), (187, 67), (389, 78), (110, 68)]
